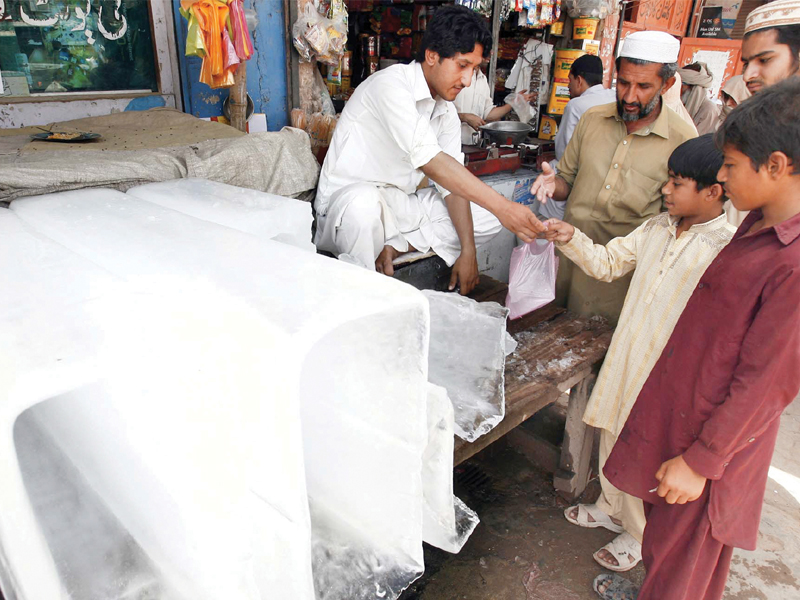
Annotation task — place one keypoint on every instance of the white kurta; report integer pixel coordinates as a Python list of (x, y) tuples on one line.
[(367, 196), (667, 272), (475, 99)]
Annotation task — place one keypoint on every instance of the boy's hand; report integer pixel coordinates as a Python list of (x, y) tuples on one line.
[(679, 484), (545, 185), (558, 231)]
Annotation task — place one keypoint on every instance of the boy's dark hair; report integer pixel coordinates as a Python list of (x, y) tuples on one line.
[(697, 159), (766, 123), (667, 69), (455, 30), (589, 67), (787, 34)]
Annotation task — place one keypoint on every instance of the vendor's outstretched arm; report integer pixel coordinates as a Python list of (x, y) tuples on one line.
[(465, 269), (453, 176)]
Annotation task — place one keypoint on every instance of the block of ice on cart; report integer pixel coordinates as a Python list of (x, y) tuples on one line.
[(124, 473), (251, 211), (469, 344), (354, 360)]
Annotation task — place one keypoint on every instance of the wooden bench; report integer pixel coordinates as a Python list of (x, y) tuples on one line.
[(557, 352)]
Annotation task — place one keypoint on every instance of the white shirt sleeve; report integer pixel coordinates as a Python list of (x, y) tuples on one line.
[(450, 142), (568, 122), (485, 94), (396, 110)]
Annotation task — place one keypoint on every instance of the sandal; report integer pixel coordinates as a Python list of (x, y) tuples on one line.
[(585, 511), (625, 549), (617, 588)]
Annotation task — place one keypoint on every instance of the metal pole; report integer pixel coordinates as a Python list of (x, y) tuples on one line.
[(498, 5)]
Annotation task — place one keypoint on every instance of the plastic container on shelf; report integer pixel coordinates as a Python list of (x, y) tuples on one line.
[(559, 96), (563, 62), (584, 28)]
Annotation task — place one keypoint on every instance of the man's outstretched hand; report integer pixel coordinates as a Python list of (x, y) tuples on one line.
[(519, 219), (545, 185), (465, 273)]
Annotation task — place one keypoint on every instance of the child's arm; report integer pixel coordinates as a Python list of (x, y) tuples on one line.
[(606, 263), (766, 380)]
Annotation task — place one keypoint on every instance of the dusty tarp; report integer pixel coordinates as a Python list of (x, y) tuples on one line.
[(155, 145)]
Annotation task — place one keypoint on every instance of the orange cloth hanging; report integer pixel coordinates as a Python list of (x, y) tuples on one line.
[(212, 17)]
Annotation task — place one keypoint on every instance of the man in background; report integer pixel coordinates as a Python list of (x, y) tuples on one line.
[(697, 79), (771, 44), (475, 107)]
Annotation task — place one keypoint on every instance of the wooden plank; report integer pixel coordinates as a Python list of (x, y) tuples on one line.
[(546, 313), (537, 449), (490, 290), (576, 451)]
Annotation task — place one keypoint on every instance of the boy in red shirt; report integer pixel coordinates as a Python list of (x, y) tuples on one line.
[(698, 443)]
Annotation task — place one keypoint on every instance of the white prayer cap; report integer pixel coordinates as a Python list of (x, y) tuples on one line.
[(652, 46), (774, 14)]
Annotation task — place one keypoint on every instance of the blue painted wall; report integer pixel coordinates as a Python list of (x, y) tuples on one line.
[(266, 70)]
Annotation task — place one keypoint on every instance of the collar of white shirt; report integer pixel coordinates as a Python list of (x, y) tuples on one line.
[(422, 92)]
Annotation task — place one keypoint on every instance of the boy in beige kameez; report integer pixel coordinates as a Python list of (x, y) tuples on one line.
[(669, 252)]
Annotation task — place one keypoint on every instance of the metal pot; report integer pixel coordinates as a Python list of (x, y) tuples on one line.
[(506, 133)]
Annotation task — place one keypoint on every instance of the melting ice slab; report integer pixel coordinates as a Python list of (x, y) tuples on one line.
[(467, 358), (352, 362), (251, 211)]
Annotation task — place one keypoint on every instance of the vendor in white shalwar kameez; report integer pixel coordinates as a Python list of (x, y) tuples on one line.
[(399, 126)]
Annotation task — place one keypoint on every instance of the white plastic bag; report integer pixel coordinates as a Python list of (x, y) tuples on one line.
[(532, 278), (522, 107)]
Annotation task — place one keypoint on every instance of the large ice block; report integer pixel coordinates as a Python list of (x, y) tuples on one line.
[(447, 521), (262, 214), (355, 360), (467, 358), (124, 473)]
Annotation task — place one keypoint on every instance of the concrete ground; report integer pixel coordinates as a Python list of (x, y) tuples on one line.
[(524, 549)]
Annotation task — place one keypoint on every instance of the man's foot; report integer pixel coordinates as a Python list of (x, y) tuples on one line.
[(614, 587), (621, 554), (588, 515), (383, 264)]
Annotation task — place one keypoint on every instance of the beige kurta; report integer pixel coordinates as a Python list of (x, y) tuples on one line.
[(616, 181), (667, 270)]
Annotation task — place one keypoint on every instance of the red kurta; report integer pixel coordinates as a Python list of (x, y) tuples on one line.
[(716, 394)]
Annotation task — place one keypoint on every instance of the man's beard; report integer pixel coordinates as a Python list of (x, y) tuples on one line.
[(643, 110)]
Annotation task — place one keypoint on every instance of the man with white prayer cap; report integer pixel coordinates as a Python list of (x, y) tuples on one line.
[(771, 44), (615, 165), (697, 78)]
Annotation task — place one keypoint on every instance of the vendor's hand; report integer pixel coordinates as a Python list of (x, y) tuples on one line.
[(679, 484), (558, 231), (545, 185), (473, 121), (519, 219), (465, 273), (529, 96)]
